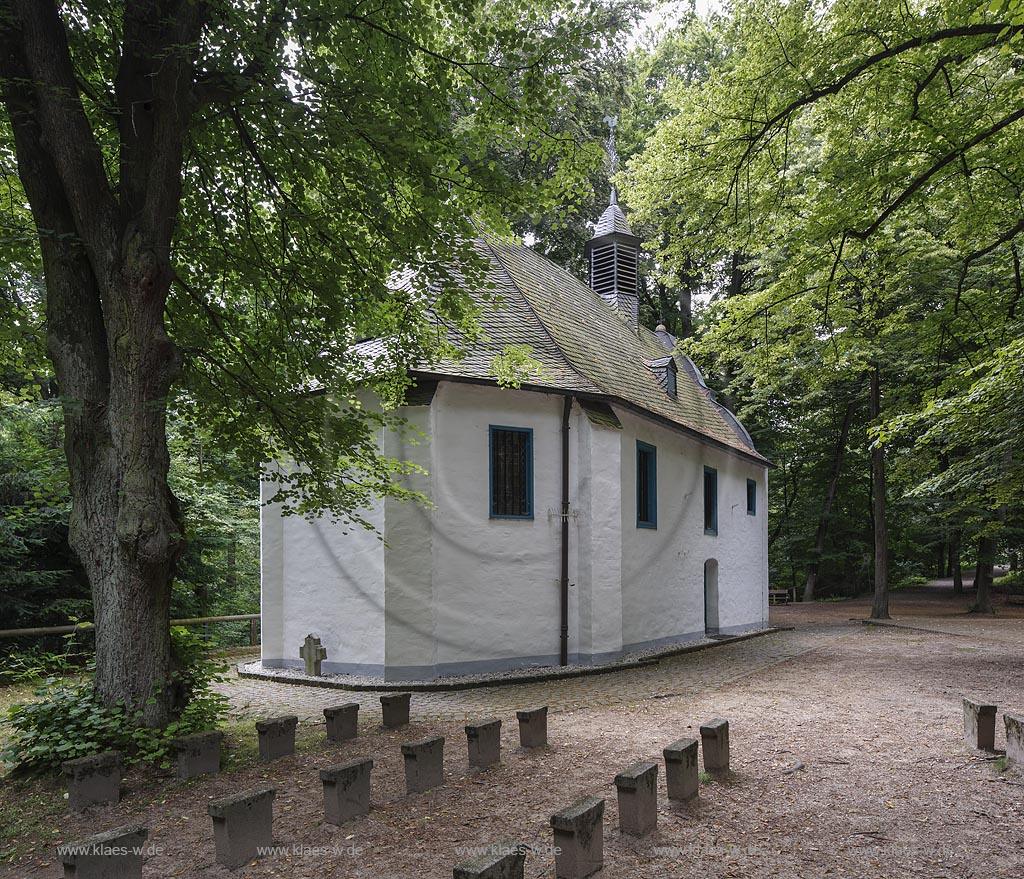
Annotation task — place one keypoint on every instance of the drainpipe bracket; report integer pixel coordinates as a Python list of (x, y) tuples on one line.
[(555, 514)]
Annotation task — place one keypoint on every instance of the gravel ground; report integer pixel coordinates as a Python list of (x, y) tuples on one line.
[(848, 761)]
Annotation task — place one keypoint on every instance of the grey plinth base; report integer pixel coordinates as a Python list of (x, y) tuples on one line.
[(394, 708), (579, 839), (241, 824), (424, 764), (979, 725), (346, 791), (682, 778), (533, 727), (484, 742), (277, 736), (1014, 738), (638, 798), (116, 854), (715, 743), (198, 754), (342, 721), (503, 860), (95, 779)]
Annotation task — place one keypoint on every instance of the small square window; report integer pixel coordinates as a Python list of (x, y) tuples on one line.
[(751, 497), (511, 472), (710, 500), (646, 486)]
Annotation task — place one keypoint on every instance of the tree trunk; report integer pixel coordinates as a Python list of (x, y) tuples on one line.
[(955, 562), (983, 576), (880, 605), (105, 253), (826, 508)]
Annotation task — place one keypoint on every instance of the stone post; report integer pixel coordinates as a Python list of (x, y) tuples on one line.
[(277, 736), (1014, 738), (116, 854), (342, 721), (682, 778), (503, 860), (484, 741), (313, 655), (579, 839), (95, 779), (533, 727), (241, 824), (394, 708), (199, 754), (715, 742), (979, 725), (638, 798), (424, 764), (346, 791)]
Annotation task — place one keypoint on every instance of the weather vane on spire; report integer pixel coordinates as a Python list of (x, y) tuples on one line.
[(611, 122)]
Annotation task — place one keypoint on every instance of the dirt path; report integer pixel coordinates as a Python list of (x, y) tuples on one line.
[(871, 716)]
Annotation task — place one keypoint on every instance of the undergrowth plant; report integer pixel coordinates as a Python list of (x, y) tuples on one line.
[(66, 720)]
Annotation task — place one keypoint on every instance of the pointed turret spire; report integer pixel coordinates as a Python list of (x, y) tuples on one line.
[(613, 254)]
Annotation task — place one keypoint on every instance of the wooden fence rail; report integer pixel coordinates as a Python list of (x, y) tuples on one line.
[(253, 618)]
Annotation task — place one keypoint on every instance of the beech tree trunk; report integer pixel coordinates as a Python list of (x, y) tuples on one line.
[(826, 508), (105, 249), (955, 562), (880, 605), (983, 576)]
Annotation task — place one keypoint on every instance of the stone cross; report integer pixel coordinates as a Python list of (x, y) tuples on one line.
[(313, 654)]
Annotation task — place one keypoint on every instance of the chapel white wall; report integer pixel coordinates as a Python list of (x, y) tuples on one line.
[(495, 581), (663, 568), (323, 578)]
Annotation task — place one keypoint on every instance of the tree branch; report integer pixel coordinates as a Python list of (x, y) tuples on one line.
[(922, 179), (64, 130)]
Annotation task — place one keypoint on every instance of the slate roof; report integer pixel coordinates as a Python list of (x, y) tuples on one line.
[(582, 343), (612, 220)]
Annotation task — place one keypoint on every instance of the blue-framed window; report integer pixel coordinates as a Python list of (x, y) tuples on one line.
[(511, 472), (646, 485), (751, 497), (710, 500)]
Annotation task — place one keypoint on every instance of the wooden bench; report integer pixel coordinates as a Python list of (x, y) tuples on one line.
[(778, 596)]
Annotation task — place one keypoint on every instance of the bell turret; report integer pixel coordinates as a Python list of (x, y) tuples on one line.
[(613, 254)]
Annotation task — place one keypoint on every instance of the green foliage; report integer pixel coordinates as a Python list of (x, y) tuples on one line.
[(1012, 582), (845, 178), (39, 581), (515, 365), (64, 720), (32, 664)]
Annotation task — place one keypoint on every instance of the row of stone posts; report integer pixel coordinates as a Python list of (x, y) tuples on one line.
[(980, 729), (243, 822), (578, 830)]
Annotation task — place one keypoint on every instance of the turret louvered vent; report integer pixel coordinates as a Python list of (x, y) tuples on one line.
[(613, 256)]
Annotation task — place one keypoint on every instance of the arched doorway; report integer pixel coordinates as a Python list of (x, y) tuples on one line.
[(711, 624)]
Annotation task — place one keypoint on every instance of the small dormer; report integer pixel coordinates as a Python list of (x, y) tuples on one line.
[(613, 257), (666, 371)]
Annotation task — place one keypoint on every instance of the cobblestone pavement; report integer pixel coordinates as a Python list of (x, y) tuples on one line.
[(686, 674)]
